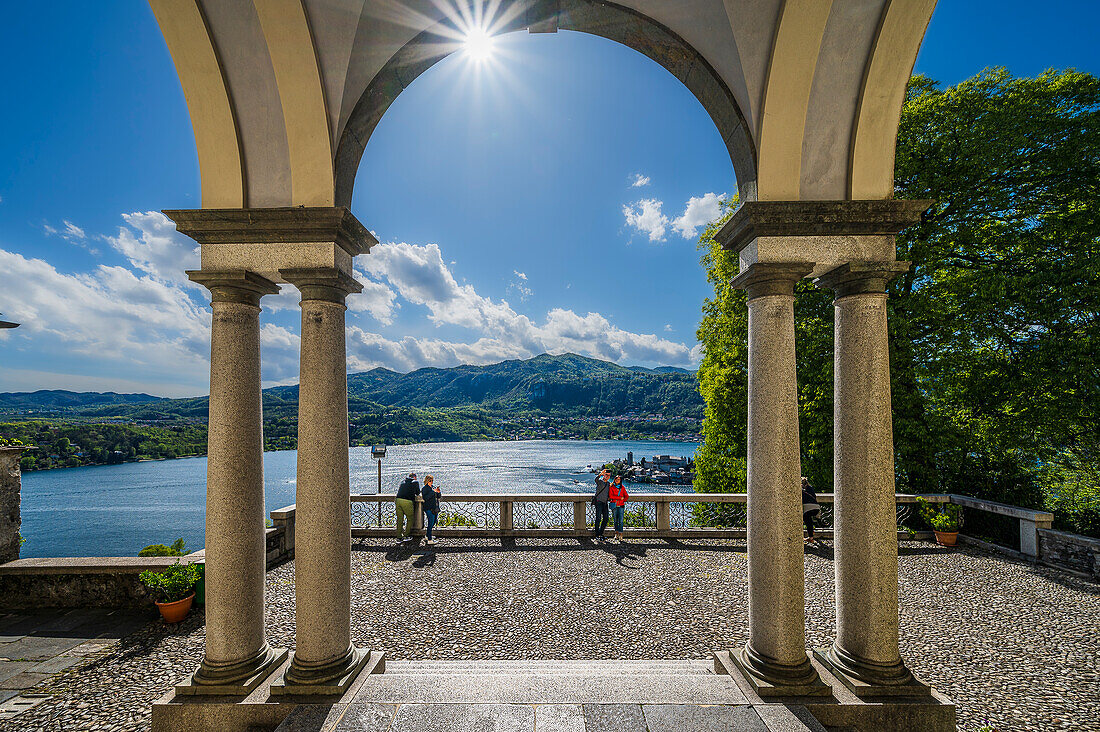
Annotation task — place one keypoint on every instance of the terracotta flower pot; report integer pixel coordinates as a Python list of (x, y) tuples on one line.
[(173, 612), (946, 538)]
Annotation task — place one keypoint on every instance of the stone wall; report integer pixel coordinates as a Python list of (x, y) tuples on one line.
[(1070, 551), (9, 502), (109, 582)]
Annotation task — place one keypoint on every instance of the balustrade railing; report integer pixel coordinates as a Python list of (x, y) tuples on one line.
[(660, 515)]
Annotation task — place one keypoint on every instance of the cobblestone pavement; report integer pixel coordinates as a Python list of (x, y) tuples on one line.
[(1015, 646)]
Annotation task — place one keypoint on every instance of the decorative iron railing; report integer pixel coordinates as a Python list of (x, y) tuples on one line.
[(569, 514)]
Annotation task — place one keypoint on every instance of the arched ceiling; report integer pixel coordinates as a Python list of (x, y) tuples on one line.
[(283, 94)]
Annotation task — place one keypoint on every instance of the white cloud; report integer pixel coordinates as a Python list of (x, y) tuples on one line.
[(647, 217), (698, 213), (640, 180), (152, 244), (668, 327), (419, 275), (376, 300), (143, 321), (72, 231), (520, 287), (109, 313)]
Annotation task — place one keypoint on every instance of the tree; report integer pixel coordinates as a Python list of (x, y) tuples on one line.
[(994, 329)]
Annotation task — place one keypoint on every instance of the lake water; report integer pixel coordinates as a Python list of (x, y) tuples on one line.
[(115, 510)]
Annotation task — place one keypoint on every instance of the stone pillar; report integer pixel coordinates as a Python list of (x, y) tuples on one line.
[(237, 655), (324, 660), (865, 654), (10, 521), (774, 659)]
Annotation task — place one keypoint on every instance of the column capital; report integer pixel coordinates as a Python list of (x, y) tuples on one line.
[(754, 219), (771, 278), (322, 283), (861, 278), (233, 285), (287, 225)]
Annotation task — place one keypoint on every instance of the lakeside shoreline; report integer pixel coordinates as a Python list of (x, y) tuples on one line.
[(674, 438)]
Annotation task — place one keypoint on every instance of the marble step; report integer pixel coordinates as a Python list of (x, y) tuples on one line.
[(572, 667), (549, 682), (623, 717)]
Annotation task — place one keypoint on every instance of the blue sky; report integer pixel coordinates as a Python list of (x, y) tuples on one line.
[(550, 201)]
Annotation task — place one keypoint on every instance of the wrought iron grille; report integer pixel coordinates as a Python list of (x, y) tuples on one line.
[(467, 515), (542, 515), (706, 515), (364, 515)]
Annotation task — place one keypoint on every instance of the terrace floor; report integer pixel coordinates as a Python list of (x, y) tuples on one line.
[(1014, 645)]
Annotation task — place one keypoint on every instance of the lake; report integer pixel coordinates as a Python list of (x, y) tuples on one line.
[(115, 510)]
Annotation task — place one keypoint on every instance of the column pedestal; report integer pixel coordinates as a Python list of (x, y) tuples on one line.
[(237, 655), (324, 660), (865, 655), (774, 660)]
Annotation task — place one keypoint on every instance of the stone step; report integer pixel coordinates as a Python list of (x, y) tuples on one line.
[(622, 717), (549, 682), (580, 668)]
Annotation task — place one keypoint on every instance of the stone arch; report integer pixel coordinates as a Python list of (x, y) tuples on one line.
[(614, 22)]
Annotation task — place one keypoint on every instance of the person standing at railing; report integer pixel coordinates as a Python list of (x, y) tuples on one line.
[(406, 508), (810, 508), (430, 494), (618, 495), (600, 500)]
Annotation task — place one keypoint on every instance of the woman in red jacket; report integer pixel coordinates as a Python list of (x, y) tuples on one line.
[(618, 495)]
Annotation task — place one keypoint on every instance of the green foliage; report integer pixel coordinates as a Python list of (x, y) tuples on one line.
[(943, 517), (1070, 482), (178, 549), (994, 329), (9, 442), (449, 519), (723, 374), (635, 517), (174, 583), (71, 443)]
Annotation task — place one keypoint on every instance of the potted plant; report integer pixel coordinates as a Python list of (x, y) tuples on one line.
[(945, 521), (173, 589)]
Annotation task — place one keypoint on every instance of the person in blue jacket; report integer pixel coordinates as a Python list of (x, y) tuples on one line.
[(430, 494)]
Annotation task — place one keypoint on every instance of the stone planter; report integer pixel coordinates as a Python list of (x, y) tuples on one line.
[(174, 612), (946, 538)]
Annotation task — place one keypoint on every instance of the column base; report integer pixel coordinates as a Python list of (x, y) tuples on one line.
[(238, 679), (330, 679), (869, 680), (770, 679)]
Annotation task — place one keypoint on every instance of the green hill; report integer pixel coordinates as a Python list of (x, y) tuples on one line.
[(565, 397)]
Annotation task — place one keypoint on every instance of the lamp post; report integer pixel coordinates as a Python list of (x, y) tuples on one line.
[(378, 452)]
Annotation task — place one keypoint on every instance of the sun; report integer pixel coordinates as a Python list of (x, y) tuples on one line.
[(479, 44)]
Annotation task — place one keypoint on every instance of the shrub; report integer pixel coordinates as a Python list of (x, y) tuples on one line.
[(10, 442), (178, 549), (947, 518), (174, 583)]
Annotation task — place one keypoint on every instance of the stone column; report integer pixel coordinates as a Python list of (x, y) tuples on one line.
[(865, 655), (774, 659), (324, 660), (237, 655)]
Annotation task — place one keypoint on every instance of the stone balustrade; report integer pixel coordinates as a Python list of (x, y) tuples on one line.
[(547, 515), (671, 516)]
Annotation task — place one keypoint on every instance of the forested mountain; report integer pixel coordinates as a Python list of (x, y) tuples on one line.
[(60, 399), (544, 397), (552, 384)]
